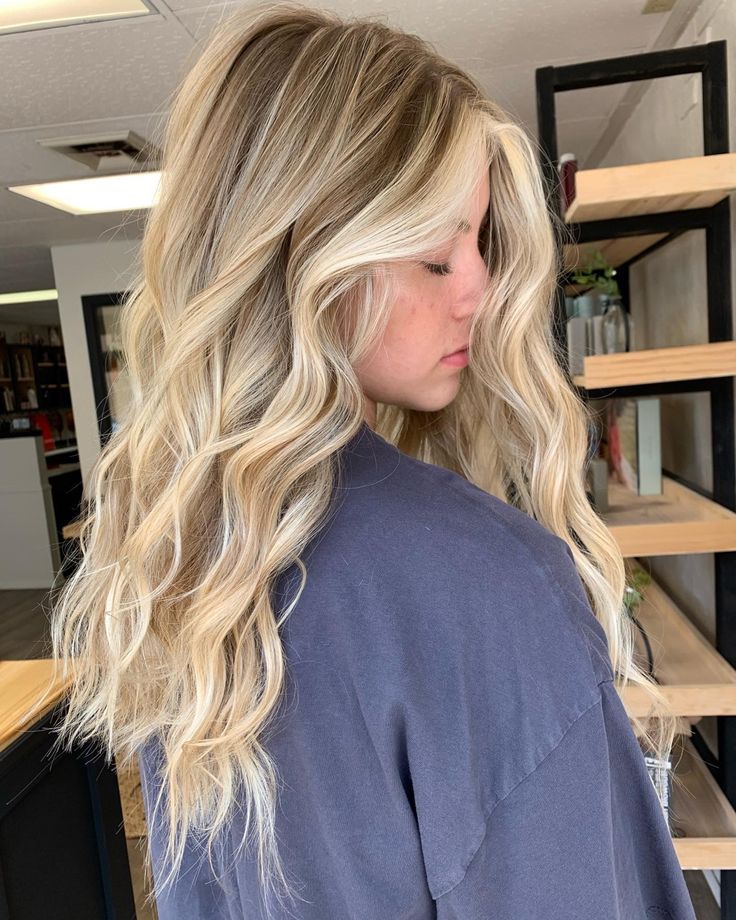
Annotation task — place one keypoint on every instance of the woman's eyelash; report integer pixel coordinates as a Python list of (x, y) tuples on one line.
[(438, 268), (443, 268)]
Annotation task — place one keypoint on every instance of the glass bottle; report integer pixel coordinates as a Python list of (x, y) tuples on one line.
[(617, 326)]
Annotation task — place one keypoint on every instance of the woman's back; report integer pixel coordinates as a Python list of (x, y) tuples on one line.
[(451, 743)]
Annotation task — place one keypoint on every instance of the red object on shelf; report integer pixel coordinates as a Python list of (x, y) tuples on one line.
[(41, 422), (567, 167)]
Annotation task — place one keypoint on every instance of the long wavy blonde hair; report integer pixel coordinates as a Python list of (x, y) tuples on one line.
[(303, 154)]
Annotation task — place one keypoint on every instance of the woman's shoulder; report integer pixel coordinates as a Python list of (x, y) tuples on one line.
[(382, 486), (423, 554), (405, 505)]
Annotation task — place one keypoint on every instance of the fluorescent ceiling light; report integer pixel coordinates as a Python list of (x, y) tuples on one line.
[(22, 15), (29, 296), (97, 194)]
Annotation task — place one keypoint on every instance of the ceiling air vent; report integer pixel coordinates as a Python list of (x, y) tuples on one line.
[(114, 153)]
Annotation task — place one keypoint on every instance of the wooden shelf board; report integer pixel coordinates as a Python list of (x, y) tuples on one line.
[(615, 251), (658, 365), (694, 677), (703, 813), (676, 522), (648, 188)]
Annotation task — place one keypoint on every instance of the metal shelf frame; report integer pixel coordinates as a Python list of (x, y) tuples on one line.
[(710, 60)]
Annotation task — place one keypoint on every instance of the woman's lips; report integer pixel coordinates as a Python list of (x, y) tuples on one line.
[(457, 358)]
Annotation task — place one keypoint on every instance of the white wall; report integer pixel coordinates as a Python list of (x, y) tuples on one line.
[(29, 551), (81, 269), (668, 294)]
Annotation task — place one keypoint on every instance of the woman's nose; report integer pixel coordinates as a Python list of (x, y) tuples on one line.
[(475, 278)]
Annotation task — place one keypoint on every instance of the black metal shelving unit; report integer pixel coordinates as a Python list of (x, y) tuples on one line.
[(710, 61)]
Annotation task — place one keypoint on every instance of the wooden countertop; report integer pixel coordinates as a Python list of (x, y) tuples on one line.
[(27, 692)]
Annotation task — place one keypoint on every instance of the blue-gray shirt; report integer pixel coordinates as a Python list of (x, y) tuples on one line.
[(452, 744)]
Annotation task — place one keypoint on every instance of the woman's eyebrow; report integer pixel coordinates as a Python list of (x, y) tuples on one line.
[(464, 227)]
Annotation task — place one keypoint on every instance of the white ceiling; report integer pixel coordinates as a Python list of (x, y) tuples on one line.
[(101, 77)]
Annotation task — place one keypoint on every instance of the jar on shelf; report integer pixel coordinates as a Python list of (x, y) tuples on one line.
[(566, 168), (617, 326)]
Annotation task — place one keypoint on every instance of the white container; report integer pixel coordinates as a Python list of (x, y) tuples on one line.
[(577, 343)]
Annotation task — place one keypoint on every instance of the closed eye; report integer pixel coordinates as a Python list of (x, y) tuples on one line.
[(444, 268), (438, 268)]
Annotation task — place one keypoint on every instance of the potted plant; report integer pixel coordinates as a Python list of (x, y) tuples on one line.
[(603, 297), (633, 594), (598, 274), (636, 580)]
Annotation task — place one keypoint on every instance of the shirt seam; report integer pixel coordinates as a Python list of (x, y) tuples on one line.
[(598, 701)]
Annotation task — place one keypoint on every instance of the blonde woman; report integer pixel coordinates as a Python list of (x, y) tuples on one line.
[(341, 591)]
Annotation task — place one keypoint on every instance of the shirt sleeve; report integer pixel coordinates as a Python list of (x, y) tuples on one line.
[(581, 836)]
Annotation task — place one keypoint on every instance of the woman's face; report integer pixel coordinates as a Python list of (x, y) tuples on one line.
[(430, 318)]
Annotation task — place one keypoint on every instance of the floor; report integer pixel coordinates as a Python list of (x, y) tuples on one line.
[(136, 847), (24, 634)]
